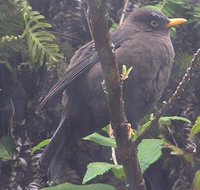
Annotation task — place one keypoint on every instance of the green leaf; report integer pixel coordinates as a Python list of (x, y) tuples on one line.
[(41, 145), (196, 181), (142, 129), (106, 128), (196, 128), (149, 151), (125, 72), (166, 121), (69, 186), (114, 27), (98, 168), (129, 70), (118, 172), (6, 148), (101, 140)]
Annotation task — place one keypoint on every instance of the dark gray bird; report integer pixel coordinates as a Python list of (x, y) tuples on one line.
[(143, 42)]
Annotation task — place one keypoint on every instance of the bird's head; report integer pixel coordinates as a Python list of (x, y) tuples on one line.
[(151, 20)]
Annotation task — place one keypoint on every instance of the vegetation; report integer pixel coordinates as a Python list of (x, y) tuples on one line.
[(36, 48)]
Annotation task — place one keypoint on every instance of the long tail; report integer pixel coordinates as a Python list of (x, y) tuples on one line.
[(55, 148), (63, 139)]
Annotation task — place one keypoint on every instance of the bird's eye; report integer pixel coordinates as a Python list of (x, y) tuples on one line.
[(154, 23)]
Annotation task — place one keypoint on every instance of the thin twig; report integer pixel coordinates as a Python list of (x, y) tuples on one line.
[(124, 12), (114, 158)]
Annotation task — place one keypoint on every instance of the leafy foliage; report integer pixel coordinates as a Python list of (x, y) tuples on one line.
[(196, 181), (40, 145), (69, 186), (101, 140), (163, 121), (167, 121), (11, 26), (143, 128), (114, 27), (6, 148), (196, 128), (173, 8), (11, 21), (125, 72), (98, 168), (20, 26), (40, 42), (149, 151)]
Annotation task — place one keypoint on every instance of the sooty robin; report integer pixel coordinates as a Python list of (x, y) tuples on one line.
[(143, 42)]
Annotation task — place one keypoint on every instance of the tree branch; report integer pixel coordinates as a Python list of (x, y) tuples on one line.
[(112, 85)]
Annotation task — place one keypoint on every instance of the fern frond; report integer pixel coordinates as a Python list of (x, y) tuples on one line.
[(41, 43), (176, 8), (197, 13), (11, 21)]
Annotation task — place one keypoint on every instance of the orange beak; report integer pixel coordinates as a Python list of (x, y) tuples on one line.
[(175, 22)]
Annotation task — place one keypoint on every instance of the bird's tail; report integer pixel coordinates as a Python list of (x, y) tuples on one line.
[(55, 153), (52, 150)]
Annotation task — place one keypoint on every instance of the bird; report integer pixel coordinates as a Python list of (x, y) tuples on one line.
[(142, 42)]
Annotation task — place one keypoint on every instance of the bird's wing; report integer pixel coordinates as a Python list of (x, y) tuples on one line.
[(76, 67), (83, 59)]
